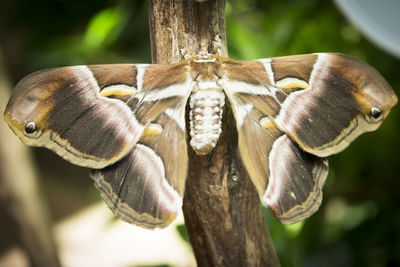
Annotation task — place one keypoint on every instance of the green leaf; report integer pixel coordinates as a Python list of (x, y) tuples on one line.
[(105, 27)]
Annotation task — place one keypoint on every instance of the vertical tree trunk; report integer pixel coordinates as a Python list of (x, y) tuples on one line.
[(19, 192), (222, 209)]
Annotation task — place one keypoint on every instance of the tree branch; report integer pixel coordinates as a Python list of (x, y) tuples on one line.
[(222, 209), (183, 28)]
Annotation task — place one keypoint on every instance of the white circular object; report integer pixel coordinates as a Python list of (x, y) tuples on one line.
[(379, 21)]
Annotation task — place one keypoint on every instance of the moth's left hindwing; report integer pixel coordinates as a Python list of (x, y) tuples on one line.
[(146, 186)]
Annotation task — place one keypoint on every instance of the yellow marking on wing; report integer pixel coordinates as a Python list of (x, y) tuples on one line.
[(150, 133), (291, 83), (267, 123), (118, 91), (152, 129)]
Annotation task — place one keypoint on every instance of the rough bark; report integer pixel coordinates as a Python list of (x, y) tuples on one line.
[(19, 192), (222, 209), (180, 29)]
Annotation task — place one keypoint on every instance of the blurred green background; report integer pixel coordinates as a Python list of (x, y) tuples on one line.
[(358, 223)]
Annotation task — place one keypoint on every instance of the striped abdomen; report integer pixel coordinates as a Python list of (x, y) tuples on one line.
[(206, 105)]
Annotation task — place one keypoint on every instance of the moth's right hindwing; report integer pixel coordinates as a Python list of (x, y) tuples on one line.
[(288, 179)]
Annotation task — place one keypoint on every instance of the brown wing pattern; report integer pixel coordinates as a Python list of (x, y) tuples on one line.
[(295, 111)]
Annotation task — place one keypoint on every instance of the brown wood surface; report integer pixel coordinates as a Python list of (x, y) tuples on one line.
[(222, 209)]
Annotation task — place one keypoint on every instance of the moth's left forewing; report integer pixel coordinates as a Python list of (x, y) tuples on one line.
[(288, 179), (69, 114)]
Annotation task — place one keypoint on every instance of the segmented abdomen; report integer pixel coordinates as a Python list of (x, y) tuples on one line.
[(206, 107)]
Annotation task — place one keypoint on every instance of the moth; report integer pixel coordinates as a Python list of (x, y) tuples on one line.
[(127, 123)]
